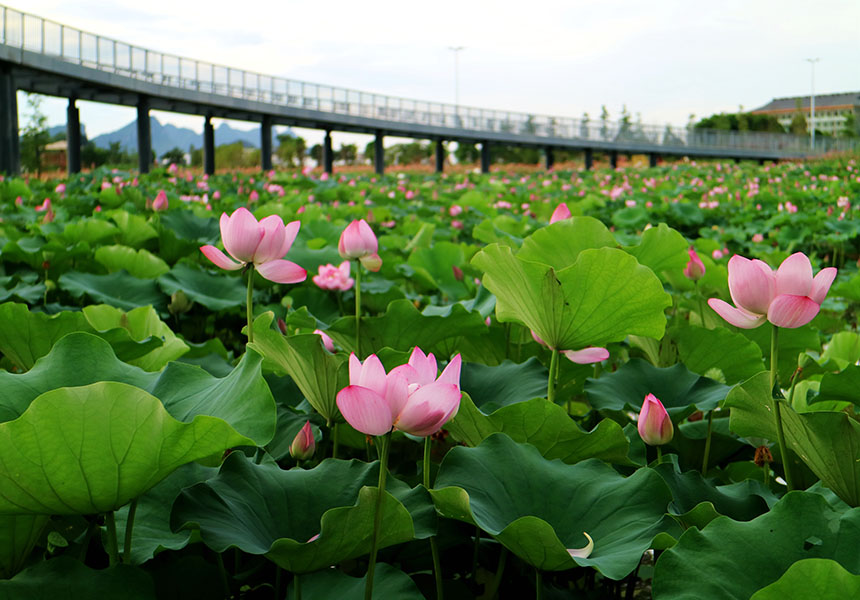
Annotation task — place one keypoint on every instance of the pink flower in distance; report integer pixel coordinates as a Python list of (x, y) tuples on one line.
[(560, 213), (358, 241), (695, 268), (789, 297), (160, 202), (328, 344), (586, 356), (304, 444), (331, 277), (410, 398), (262, 243), (654, 424), (61, 188)]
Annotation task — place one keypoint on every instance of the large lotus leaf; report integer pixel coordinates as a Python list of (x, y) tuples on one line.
[(544, 425), (319, 374), (402, 327), (263, 509), (18, 535), (603, 297), (819, 578), (215, 291), (94, 448), (388, 582), (151, 531), (134, 230), (435, 264), (843, 349), (31, 293), (839, 386), (731, 560), (507, 383), (140, 263), (89, 230), (117, 289), (701, 350), (26, 336), (792, 342), (680, 391), (187, 226), (65, 577), (483, 302), (558, 245), (538, 508), (139, 324), (661, 249), (828, 442)]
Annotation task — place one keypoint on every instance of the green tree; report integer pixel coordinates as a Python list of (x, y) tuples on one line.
[(604, 122), (849, 126), (34, 136), (467, 153), (291, 149), (175, 156), (583, 126), (348, 153), (798, 124), (317, 154)]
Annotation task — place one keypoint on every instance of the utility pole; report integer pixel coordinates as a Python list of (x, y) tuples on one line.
[(812, 62), (456, 50)]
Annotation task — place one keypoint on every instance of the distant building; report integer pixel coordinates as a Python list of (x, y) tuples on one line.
[(831, 110)]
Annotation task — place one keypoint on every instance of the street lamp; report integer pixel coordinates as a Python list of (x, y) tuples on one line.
[(812, 62), (456, 50)]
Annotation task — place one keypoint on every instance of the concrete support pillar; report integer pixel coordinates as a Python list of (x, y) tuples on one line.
[(485, 157), (652, 159), (761, 161), (144, 135), (613, 159), (737, 161), (73, 137), (208, 146), (378, 154), (328, 153), (10, 154), (266, 143), (440, 156), (589, 159), (549, 158)]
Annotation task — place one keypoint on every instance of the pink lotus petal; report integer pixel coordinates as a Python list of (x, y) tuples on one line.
[(736, 316), (270, 246), (365, 410), (424, 365), (397, 391), (587, 356), (792, 311), (219, 258), (428, 408), (821, 284), (751, 286), (344, 268), (241, 234), (560, 213), (583, 552), (291, 230), (794, 276), (451, 374), (282, 271), (370, 374)]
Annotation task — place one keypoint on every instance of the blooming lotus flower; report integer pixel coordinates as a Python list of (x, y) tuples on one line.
[(331, 277), (409, 398), (160, 202), (586, 356), (790, 297), (358, 241), (695, 268), (654, 424), (262, 244), (560, 213), (304, 444)]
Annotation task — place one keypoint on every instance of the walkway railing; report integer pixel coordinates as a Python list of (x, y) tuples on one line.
[(29, 32)]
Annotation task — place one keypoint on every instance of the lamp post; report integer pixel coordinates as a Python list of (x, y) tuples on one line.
[(812, 62), (456, 50)]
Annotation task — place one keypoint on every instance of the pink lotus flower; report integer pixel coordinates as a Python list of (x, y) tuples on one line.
[(304, 444), (61, 188), (358, 241), (331, 277), (328, 344), (409, 398), (654, 425), (695, 268), (262, 244), (791, 297), (560, 213), (160, 202), (44, 206), (586, 356)]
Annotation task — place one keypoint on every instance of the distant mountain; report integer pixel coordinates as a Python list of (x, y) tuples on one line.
[(57, 129), (166, 137)]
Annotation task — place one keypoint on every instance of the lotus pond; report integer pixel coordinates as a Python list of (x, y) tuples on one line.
[(637, 383)]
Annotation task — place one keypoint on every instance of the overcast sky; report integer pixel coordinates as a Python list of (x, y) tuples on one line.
[(664, 59)]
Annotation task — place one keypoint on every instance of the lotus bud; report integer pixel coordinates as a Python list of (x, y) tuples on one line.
[(357, 241), (695, 268), (303, 445), (179, 303), (655, 426), (372, 262)]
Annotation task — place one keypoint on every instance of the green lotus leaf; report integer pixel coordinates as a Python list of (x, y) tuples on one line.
[(185, 225), (603, 297), (89, 230), (791, 343), (18, 536), (262, 509), (559, 245), (134, 229), (65, 577), (26, 336), (388, 582), (661, 249), (703, 349), (545, 426), (92, 449), (539, 508), (507, 383), (757, 553), (117, 289), (435, 264), (319, 374), (140, 263), (843, 349), (819, 578), (680, 391), (841, 386), (215, 291)]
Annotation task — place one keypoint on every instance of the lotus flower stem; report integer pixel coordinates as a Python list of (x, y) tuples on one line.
[(777, 406), (129, 526), (708, 443), (553, 374), (434, 548), (113, 552), (358, 309), (384, 443), (334, 440), (225, 578), (659, 455), (701, 304), (497, 578), (297, 587), (250, 302), (475, 552), (538, 584)]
